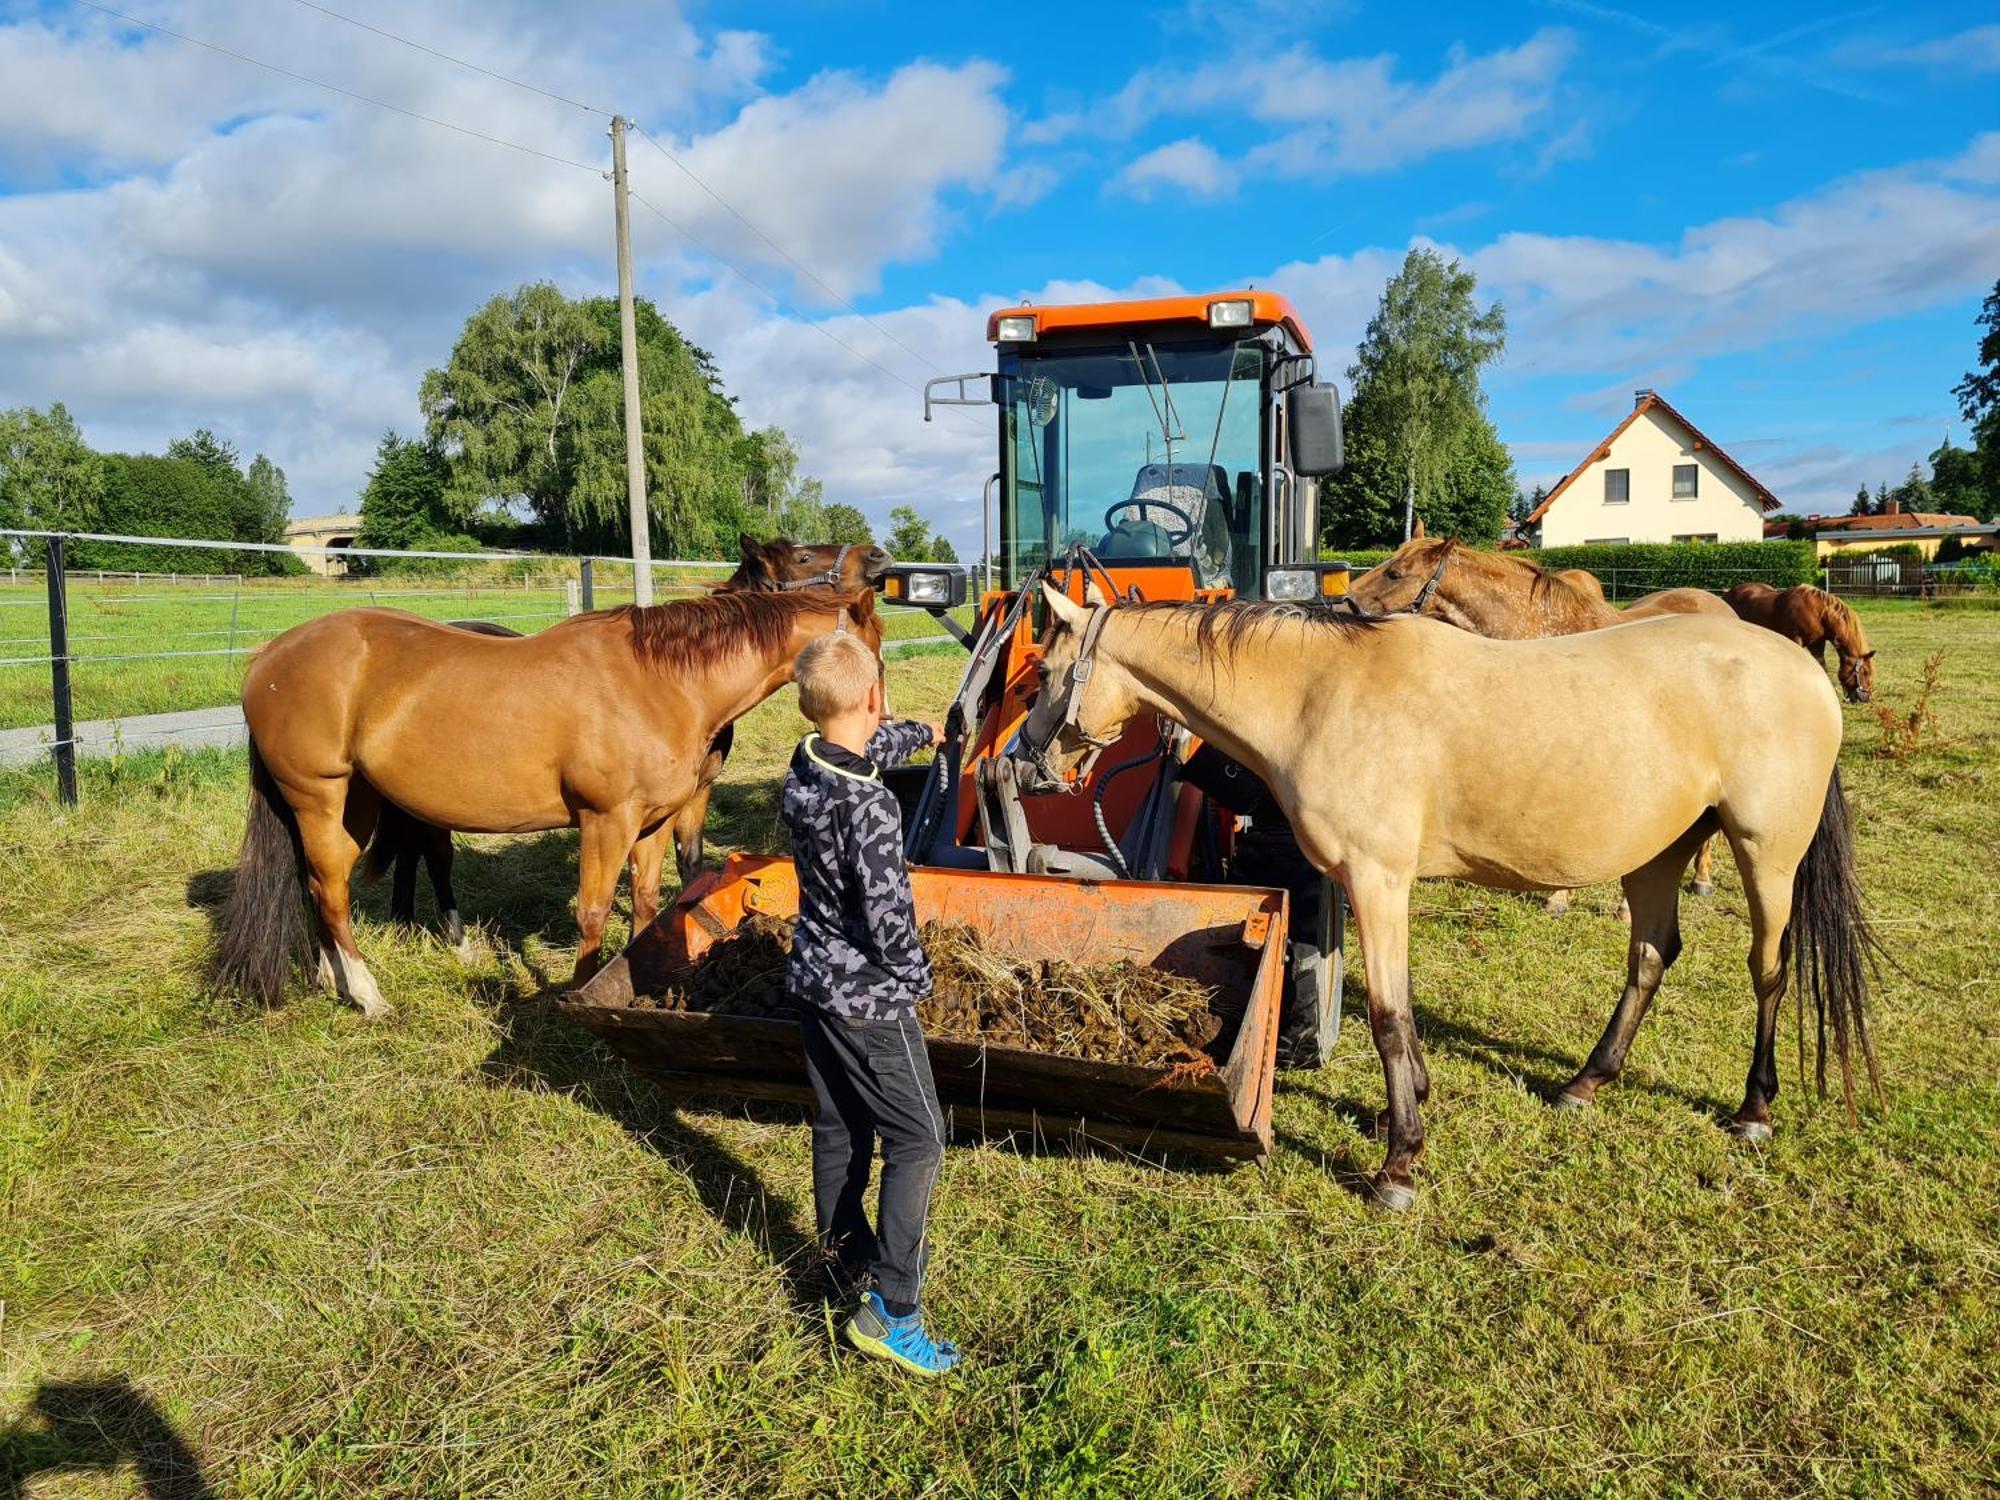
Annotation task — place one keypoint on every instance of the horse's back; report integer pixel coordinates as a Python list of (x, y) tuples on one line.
[(1678, 602)]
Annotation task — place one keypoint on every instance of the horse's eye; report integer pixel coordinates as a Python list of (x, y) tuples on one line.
[(804, 558), (1395, 575)]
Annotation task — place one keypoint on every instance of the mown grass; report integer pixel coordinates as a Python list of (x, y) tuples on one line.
[(466, 1252), (117, 627)]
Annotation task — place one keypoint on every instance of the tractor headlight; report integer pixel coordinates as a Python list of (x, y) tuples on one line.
[(1299, 583), (924, 587), (1235, 313), (1019, 329)]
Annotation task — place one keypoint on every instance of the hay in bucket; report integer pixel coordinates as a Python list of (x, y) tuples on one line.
[(1118, 1012)]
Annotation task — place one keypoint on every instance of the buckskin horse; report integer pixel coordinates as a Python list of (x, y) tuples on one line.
[(1816, 620), (766, 567), (602, 724), (1507, 598), (1512, 764)]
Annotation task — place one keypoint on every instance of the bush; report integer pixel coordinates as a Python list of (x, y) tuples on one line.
[(1642, 567), (145, 495)]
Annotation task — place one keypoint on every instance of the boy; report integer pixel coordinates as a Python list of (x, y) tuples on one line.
[(859, 970)]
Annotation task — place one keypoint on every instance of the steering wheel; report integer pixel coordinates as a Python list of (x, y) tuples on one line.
[(1142, 506)]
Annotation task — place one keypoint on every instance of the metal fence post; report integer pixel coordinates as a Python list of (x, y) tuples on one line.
[(589, 595), (65, 746)]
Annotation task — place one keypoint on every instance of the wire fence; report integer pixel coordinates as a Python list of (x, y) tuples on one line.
[(106, 660)]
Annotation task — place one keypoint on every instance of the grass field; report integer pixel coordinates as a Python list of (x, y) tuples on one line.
[(118, 627), (464, 1252)]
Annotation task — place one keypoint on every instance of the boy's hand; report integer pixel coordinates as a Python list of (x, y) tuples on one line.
[(937, 734)]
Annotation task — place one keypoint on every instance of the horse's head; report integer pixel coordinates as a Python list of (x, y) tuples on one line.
[(1857, 676), (1084, 700), (784, 564), (1403, 582)]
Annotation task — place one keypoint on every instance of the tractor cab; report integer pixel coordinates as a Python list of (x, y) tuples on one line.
[(1179, 435)]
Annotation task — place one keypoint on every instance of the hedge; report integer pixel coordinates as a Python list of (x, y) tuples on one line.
[(1641, 567)]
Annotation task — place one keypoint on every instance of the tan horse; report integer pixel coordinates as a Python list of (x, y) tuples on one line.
[(602, 724), (773, 566), (1816, 620), (1402, 750), (1508, 598)]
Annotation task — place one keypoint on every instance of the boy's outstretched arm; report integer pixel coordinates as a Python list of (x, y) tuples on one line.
[(899, 739), (888, 912)]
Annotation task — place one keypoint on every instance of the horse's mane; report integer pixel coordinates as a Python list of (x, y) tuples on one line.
[(1844, 624), (1232, 625), (685, 635)]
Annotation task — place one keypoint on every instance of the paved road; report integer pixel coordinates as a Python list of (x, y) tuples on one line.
[(193, 729)]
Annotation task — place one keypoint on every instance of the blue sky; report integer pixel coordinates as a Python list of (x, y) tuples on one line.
[(1785, 220)]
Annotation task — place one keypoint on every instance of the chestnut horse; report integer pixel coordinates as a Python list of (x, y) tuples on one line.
[(767, 566), (1816, 620), (1508, 598), (1401, 750), (602, 724)]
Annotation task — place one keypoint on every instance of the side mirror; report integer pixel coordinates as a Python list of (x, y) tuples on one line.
[(1312, 417)]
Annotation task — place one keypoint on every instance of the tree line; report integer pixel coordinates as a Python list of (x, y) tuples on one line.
[(524, 446), (52, 480)]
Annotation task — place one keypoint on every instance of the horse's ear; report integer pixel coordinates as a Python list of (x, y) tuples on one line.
[(1868, 656), (1420, 529), (749, 546), (1065, 609), (861, 605), (1093, 593)]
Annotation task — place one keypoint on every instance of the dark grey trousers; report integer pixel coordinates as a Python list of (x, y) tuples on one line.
[(873, 1078)]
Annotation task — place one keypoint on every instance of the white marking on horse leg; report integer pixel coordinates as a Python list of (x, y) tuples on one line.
[(358, 987), (328, 979)]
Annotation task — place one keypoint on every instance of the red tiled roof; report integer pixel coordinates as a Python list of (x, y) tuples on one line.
[(1702, 442), (1892, 521)]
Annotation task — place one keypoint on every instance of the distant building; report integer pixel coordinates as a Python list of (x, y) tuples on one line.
[(1656, 478), (1924, 530), (323, 531)]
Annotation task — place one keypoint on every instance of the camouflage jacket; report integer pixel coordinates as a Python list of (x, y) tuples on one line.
[(855, 952)]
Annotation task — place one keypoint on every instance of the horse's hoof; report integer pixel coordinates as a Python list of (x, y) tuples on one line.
[(1557, 906), (1568, 1103), (1756, 1132), (1702, 888), (1396, 1197)]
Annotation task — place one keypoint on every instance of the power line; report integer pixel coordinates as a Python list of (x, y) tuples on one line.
[(796, 264), (334, 88), (448, 57), (757, 285), (520, 83)]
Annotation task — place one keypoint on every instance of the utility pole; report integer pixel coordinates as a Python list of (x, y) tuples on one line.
[(628, 341)]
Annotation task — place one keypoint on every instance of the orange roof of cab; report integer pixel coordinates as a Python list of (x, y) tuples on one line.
[(1265, 308)]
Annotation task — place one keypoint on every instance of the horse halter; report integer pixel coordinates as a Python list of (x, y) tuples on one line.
[(830, 579), (1422, 601), (1035, 749)]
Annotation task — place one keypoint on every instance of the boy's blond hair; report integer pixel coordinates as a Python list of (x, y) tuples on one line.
[(834, 673)]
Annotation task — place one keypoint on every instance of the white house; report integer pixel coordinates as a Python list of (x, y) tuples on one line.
[(1655, 479)]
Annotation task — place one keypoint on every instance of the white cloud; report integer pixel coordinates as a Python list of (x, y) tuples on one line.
[(1189, 168), (1974, 50)]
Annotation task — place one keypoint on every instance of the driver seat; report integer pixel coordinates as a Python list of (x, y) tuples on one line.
[(1136, 539)]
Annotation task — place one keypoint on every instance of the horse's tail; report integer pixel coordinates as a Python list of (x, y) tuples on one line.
[(1833, 949), (265, 926)]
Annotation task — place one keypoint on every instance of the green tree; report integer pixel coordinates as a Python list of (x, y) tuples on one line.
[(943, 551), (203, 447), (845, 524), (909, 535), (1979, 403), (1523, 506), (1417, 403), (530, 408), (803, 515), (1863, 504), (269, 502), (148, 495), (50, 479), (403, 503)]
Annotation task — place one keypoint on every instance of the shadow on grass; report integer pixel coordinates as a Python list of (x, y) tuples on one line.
[(541, 1051), (72, 1427), (1543, 1071)]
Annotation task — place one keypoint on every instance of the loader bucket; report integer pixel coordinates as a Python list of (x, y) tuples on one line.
[(1229, 936)]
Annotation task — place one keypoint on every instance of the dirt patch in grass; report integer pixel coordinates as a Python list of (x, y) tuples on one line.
[(1118, 1012)]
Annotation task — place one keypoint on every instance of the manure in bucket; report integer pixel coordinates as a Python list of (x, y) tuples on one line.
[(1118, 1012)]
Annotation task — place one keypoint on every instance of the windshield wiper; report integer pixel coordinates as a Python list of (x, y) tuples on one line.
[(1168, 419)]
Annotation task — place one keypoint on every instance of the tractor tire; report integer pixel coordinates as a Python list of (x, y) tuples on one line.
[(1315, 967)]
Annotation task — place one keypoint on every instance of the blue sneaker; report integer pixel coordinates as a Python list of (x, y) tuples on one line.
[(901, 1341)]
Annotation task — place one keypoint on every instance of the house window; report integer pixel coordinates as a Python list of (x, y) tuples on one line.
[(1617, 486), (1697, 536), (1686, 481), (1609, 541)]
